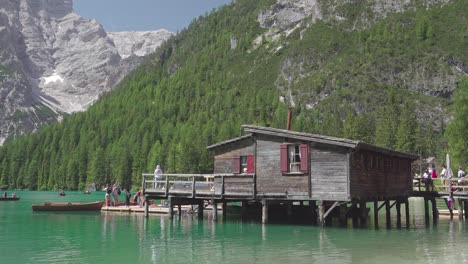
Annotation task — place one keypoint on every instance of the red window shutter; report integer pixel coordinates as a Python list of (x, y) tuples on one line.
[(304, 158), (250, 164), (284, 158), (235, 165)]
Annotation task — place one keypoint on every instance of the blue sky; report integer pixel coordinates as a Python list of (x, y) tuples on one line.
[(126, 15)]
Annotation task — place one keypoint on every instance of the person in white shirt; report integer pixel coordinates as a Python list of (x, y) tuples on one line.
[(443, 177)]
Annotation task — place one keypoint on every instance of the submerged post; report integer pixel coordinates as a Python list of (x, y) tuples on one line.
[(407, 216), (343, 217), (200, 209), (214, 210), (376, 213), (224, 210), (398, 211), (387, 213), (264, 211), (146, 206), (321, 213), (460, 209), (435, 212), (171, 208)]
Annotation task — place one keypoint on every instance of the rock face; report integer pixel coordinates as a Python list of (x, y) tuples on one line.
[(287, 16), (138, 43), (53, 61)]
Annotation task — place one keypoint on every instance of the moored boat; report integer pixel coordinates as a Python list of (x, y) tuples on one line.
[(9, 198), (52, 206)]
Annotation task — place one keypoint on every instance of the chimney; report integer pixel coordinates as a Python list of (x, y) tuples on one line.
[(288, 125)]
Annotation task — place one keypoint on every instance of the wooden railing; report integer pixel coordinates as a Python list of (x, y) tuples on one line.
[(457, 186), (200, 185)]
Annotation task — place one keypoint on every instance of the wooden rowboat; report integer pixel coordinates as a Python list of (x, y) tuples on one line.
[(50, 206), (9, 198)]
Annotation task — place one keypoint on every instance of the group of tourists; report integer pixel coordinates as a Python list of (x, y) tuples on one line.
[(112, 194), (430, 175)]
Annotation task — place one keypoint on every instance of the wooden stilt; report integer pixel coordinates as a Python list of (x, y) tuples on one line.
[(354, 214), (313, 208), (321, 211), (460, 209), (243, 209), (398, 209), (407, 216), (376, 213), (387, 214), (343, 217), (200, 209), (264, 211), (146, 206), (179, 210), (435, 212), (171, 208), (289, 209), (215, 210), (426, 210), (224, 210), (363, 212), (465, 207)]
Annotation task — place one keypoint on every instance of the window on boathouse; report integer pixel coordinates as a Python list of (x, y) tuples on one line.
[(243, 164), (294, 158)]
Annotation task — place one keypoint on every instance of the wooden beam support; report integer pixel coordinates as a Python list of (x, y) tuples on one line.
[(460, 209)]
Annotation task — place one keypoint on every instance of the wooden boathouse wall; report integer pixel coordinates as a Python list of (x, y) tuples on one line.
[(329, 167), (270, 180), (375, 175), (224, 155)]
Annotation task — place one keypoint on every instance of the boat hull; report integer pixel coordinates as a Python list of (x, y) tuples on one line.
[(49, 206), (9, 198)]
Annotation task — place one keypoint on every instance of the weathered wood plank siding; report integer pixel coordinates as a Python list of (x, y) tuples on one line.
[(269, 176), (375, 175), (329, 174), (225, 154)]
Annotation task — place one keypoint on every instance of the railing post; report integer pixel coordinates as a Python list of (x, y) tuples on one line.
[(167, 186), (222, 187), (254, 186), (193, 186), (143, 184)]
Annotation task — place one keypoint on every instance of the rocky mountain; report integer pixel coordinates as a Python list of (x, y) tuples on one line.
[(55, 62)]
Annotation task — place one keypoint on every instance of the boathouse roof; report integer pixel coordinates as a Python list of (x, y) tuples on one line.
[(348, 143)]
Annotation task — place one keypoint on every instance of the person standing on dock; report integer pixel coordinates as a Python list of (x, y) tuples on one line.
[(127, 197), (157, 176), (443, 177), (427, 179), (115, 194)]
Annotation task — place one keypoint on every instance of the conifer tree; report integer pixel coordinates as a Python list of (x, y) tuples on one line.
[(457, 130)]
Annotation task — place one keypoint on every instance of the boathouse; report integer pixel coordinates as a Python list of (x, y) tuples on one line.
[(268, 165), (303, 166)]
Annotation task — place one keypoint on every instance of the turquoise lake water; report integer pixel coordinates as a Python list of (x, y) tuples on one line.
[(95, 237)]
